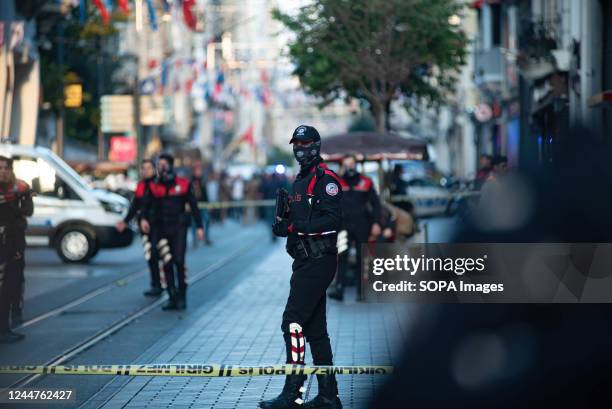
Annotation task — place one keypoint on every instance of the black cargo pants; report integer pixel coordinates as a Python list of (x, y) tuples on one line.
[(305, 312)]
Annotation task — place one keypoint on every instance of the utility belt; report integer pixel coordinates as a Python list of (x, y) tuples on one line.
[(181, 219), (312, 246)]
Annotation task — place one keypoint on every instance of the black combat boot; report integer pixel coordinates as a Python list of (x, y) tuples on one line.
[(291, 397), (8, 337), (16, 315), (181, 300), (154, 292), (328, 394), (172, 300), (337, 293)]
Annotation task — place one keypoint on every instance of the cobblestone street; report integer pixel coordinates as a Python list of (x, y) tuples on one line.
[(243, 328)]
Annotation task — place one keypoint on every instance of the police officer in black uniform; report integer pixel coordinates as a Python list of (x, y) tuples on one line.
[(147, 173), (362, 215), (15, 206), (166, 216), (310, 225)]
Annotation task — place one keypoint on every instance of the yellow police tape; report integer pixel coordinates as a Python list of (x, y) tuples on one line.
[(238, 203), (272, 202), (194, 370)]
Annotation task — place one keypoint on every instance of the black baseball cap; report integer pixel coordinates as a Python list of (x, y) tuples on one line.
[(305, 133)]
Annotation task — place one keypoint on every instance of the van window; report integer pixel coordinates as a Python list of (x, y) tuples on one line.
[(74, 177), (42, 177)]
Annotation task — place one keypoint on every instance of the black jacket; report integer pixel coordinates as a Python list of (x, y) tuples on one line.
[(165, 205), (15, 206), (198, 187), (360, 203), (314, 204)]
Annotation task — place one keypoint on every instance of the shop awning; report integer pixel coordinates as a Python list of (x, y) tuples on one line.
[(372, 146)]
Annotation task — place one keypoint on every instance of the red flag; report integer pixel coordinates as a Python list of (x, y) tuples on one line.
[(188, 14), (248, 136), (125, 9), (103, 11)]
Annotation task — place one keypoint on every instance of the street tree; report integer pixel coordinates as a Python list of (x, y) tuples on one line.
[(377, 50)]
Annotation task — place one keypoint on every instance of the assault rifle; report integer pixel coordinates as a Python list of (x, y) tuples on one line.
[(282, 204)]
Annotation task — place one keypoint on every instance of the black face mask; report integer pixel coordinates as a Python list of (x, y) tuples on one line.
[(350, 173), (167, 176), (306, 155)]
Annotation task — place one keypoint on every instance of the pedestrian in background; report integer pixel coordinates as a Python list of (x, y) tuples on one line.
[(237, 196), (252, 192), (147, 175), (388, 220), (225, 194), (199, 186), (212, 189), (15, 206), (268, 192)]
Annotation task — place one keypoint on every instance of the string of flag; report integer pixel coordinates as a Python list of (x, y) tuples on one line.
[(105, 8)]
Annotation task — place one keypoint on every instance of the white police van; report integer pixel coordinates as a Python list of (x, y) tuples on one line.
[(69, 216)]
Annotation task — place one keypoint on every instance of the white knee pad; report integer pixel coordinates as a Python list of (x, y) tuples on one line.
[(164, 251), (342, 241), (146, 245), (298, 346)]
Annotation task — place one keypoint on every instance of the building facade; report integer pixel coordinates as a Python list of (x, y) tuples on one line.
[(542, 67)]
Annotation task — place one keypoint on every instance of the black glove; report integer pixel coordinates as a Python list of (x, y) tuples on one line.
[(282, 228)]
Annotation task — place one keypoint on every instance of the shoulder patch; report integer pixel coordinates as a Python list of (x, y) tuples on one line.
[(181, 187), (331, 189)]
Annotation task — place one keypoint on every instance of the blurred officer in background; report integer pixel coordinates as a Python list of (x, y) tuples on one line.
[(15, 206), (166, 218), (362, 214), (147, 174), (198, 187), (310, 225)]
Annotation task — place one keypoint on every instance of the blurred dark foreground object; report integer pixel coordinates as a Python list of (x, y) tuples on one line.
[(520, 356), (505, 356)]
